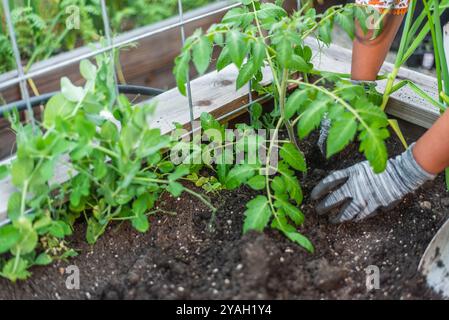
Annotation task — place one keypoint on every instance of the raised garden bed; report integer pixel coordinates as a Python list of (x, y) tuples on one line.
[(119, 173), (180, 257)]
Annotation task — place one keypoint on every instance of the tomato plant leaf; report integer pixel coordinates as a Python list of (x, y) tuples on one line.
[(257, 214), (293, 157)]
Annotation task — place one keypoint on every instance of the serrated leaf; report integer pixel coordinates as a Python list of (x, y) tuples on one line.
[(284, 52), (239, 175), (277, 184), (295, 101), (257, 214), (223, 59), (346, 22), (246, 74), (311, 117), (292, 185), (202, 52), (16, 269), (301, 240), (290, 232), (292, 211), (373, 146), (237, 47), (341, 133), (290, 154), (258, 54)]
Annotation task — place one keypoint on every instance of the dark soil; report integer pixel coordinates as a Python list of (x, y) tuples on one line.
[(181, 258)]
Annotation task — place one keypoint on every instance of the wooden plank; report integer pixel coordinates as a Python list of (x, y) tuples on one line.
[(214, 93), (405, 103)]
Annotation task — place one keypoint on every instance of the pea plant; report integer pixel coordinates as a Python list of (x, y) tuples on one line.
[(114, 160), (260, 35)]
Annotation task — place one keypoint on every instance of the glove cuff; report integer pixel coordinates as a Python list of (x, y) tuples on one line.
[(413, 174)]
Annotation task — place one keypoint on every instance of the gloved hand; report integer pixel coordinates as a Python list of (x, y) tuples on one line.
[(361, 192), (326, 122)]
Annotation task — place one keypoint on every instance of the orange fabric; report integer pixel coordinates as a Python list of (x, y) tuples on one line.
[(399, 7)]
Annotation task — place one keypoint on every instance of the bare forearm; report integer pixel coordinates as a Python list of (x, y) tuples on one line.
[(432, 149)]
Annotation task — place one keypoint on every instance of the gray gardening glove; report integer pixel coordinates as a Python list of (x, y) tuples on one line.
[(326, 122), (361, 192)]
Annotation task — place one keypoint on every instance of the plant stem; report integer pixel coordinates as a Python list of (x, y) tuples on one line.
[(282, 100)]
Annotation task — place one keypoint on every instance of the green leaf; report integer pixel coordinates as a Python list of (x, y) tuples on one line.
[(311, 118), (9, 236), (57, 107), (21, 170), (292, 212), (373, 146), (175, 188), (179, 172), (239, 175), (257, 215), (362, 17), (298, 63), (346, 21), (14, 204), (291, 233), (325, 32), (70, 91), (16, 269), (88, 70), (291, 184), (237, 47), (28, 239), (246, 73), (202, 52), (341, 133), (140, 223), (301, 240), (151, 143), (43, 259), (94, 230), (258, 54), (224, 59), (278, 185), (293, 157), (284, 52), (257, 182), (181, 71), (3, 172), (295, 101)]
